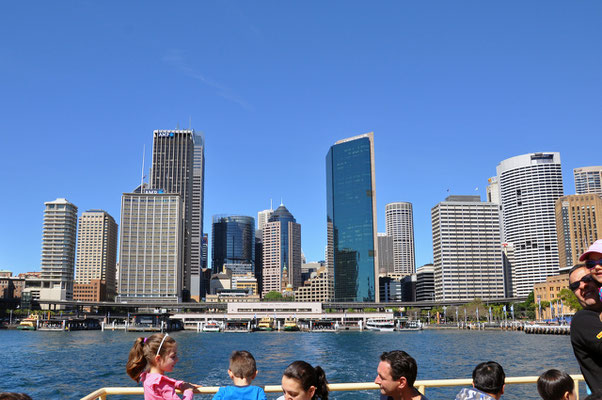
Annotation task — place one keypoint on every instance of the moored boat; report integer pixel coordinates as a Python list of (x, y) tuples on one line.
[(380, 324), (266, 324), (413, 325), (30, 323), (290, 325), (212, 326)]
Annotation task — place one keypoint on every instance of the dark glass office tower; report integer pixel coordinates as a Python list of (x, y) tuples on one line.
[(233, 241), (351, 218)]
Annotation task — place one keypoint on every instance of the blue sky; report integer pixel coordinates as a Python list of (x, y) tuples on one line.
[(448, 88)]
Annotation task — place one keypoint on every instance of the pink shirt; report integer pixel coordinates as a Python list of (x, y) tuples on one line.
[(159, 387)]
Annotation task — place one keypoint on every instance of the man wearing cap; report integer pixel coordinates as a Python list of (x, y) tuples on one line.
[(586, 326)]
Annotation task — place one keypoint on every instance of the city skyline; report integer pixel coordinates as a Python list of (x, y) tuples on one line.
[(448, 100)]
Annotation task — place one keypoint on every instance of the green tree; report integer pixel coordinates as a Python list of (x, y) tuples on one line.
[(569, 299), (273, 296)]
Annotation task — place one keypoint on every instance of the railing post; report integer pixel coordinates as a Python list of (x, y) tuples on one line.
[(422, 389)]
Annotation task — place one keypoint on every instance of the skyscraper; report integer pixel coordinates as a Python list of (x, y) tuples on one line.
[(351, 219), (262, 218), (178, 167), (579, 224), (588, 180), (466, 249), (281, 252), (97, 250), (232, 241), (386, 258), (399, 222), (58, 250), (529, 186), (151, 247)]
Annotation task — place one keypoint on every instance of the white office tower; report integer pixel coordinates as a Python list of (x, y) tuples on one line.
[(262, 219), (399, 222), (58, 250), (529, 186), (588, 180), (466, 249), (493, 190), (151, 248)]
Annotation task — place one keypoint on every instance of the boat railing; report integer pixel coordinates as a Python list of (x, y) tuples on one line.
[(421, 385)]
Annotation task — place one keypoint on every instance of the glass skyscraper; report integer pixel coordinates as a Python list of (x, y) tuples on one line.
[(233, 241), (351, 219)]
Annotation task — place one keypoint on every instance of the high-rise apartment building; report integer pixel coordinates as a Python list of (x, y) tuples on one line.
[(58, 250), (281, 252), (386, 258), (178, 167), (529, 186), (351, 219), (588, 180), (151, 247), (399, 222), (579, 224), (96, 253), (466, 249), (232, 241)]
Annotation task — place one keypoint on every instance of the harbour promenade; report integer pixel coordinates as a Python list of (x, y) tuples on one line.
[(70, 366)]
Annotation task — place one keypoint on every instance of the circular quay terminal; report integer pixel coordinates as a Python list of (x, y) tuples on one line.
[(300, 200)]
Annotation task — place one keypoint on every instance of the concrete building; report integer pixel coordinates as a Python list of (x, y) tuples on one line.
[(351, 219), (425, 283), (529, 185), (281, 252), (578, 225), (588, 180), (262, 218), (96, 254), (386, 259), (58, 250), (549, 291), (466, 249), (316, 288), (151, 248), (390, 289), (178, 167), (399, 222)]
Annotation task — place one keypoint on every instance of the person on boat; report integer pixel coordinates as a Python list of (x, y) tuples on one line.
[(150, 358), (556, 385), (242, 371), (396, 374), (488, 379), (301, 381), (586, 325)]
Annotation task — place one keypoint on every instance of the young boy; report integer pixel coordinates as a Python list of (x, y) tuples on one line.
[(242, 371)]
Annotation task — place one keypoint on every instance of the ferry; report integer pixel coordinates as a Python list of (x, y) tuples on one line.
[(290, 325), (212, 326), (30, 323), (266, 324), (324, 325), (380, 324), (413, 325)]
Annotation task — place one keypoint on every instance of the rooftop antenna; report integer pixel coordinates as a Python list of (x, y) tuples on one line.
[(281, 203), (177, 126), (142, 172), (271, 207)]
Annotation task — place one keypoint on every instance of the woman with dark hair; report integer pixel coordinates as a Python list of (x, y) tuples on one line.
[(301, 381)]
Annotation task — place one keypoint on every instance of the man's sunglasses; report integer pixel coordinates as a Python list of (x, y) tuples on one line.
[(592, 263), (575, 285)]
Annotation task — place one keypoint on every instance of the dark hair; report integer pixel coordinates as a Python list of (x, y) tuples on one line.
[(489, 377), (242, 364), (553, 384), (14, 396), (402, 364), (144, 351), (309, 376), (575, 268)]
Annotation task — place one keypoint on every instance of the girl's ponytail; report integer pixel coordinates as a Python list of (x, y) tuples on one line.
[(322, 384), (136, 361)]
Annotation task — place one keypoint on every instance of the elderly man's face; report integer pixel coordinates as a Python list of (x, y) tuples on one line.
[(587, 292)]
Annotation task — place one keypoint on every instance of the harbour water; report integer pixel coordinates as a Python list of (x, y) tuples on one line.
[(69, 365)]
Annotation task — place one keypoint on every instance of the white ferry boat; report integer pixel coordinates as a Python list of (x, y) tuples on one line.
[(212, 326), (380, 324)]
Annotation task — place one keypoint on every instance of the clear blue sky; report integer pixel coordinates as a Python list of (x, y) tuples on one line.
[(450, 88)]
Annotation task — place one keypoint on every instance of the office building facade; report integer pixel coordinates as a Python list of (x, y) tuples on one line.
[(178, 168), (466, 249), (579, 225), (281, 252), (232, 241), (399, 221), (529, 186), (425, 283), (588, 180), (58, 250), (351, 219), (151, 248), (386, 259), (96, 254)]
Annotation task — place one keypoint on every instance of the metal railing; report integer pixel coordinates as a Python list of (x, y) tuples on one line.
[(422, 385)]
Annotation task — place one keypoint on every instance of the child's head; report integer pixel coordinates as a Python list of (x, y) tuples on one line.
[(151, 351), (555, 385), (242, 365)]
